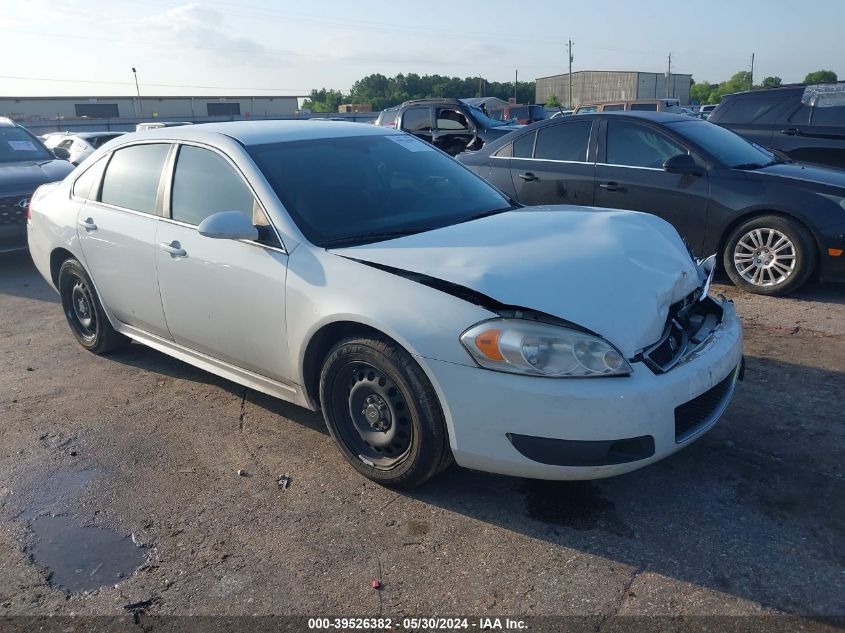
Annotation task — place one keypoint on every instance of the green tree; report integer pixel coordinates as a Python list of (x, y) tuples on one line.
[(771, 82), (323, 100), (553, 102), (821, 77)]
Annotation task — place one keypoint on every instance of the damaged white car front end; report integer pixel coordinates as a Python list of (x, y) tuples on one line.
[(602, 350)]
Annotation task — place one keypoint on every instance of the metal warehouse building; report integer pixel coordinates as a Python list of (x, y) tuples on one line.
[(35, 109), (592, 86)]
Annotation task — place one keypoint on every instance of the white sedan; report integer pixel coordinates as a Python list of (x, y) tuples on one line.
[(79, 146), (358, 270)]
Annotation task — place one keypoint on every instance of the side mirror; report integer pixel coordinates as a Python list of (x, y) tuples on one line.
[(61, 153), (681, 164), (228, 225)]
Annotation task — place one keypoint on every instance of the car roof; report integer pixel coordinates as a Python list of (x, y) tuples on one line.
[(260, 132), (95, 134), (656, 117)]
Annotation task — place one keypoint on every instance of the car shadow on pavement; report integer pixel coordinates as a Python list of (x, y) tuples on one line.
[(19, 278), (744, 511)]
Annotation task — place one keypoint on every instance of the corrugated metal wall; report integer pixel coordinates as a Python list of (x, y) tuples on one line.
[(591, 86)]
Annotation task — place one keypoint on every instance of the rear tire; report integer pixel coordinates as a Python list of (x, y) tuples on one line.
[(383, 413), (84, 312), (769, 255)]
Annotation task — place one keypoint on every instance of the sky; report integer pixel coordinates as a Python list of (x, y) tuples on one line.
[(211, 47)]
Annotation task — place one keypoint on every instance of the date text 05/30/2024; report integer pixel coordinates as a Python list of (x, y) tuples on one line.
[(416, 624)]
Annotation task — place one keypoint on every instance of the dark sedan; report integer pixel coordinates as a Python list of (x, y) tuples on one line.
[(774, 223)]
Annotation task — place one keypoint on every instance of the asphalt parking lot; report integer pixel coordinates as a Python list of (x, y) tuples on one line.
[(138, 449)]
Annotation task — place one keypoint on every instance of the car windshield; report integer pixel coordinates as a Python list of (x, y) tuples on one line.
[(362, 189), (728, 147), (483, 120), (17, 145)]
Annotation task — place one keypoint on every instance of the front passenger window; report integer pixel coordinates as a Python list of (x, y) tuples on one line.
[(638, 146), (204, 183)]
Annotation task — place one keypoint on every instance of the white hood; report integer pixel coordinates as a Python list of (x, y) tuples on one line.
[(613, 272)]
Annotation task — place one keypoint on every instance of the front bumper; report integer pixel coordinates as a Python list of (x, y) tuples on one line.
[(832, 253), (626, 422)]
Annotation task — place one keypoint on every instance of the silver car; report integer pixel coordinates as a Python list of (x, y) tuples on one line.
[(360, 271)]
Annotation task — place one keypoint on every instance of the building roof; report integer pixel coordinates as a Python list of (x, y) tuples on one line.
[(626, 72)]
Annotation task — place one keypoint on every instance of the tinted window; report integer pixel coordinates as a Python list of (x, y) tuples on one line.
[(523, 147), (505, 151), (87, 184), (132, 177), (645, 107), (638, 146), (205, 183), (388, 118), (615, 106), (587, 110), (448, 119), (223, 109), (749, 110), (728, 147), (417, 120), (829, 110), (354, 190), (96, 141), (97, 110), (16, 144), (567, 141)]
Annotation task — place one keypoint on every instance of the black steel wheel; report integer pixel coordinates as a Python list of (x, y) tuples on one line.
[(84, 312), (383, 413)]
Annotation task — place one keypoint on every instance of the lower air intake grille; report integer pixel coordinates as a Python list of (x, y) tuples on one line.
[(695, 416), (11, 210)]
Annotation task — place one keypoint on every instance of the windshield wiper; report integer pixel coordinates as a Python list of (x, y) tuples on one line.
[(376, 236)]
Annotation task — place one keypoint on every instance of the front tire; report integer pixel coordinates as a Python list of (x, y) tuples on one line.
[(383, 413), (84, 312), (769, 255)]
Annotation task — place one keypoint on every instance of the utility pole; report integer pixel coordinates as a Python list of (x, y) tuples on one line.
[(138, 91), (571, 59), (515, 84), (751, 78), (668, 75)]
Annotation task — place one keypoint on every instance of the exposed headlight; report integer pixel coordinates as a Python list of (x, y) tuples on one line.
[(540, 349)]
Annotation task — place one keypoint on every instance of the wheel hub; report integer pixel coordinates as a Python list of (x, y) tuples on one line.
[(765, 257), (376, 413), (82, 306)]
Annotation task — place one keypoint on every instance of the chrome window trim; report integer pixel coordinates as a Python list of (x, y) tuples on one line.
[(631, 166), (548, 160)]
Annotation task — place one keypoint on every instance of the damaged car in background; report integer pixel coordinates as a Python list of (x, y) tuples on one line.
[(362, 272)]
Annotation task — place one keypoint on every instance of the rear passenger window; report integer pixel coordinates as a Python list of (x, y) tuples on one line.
[(565, 141), (643, 107), (829, 109), (417, 120), (133, 175), (204, 183), (523, 147), (87, 185)]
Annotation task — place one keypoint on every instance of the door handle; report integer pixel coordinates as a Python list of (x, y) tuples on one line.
[(174, 248), (528, 177), (611, 186), (791, 132), (88, 224)]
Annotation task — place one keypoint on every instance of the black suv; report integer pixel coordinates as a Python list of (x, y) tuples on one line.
[(450, 124), (805, 122), (25, 164)]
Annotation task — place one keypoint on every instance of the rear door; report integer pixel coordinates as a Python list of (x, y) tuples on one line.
[(815, 131), (554, 165), (116, 224), (416, 120), (629, 175), (754, 116)]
